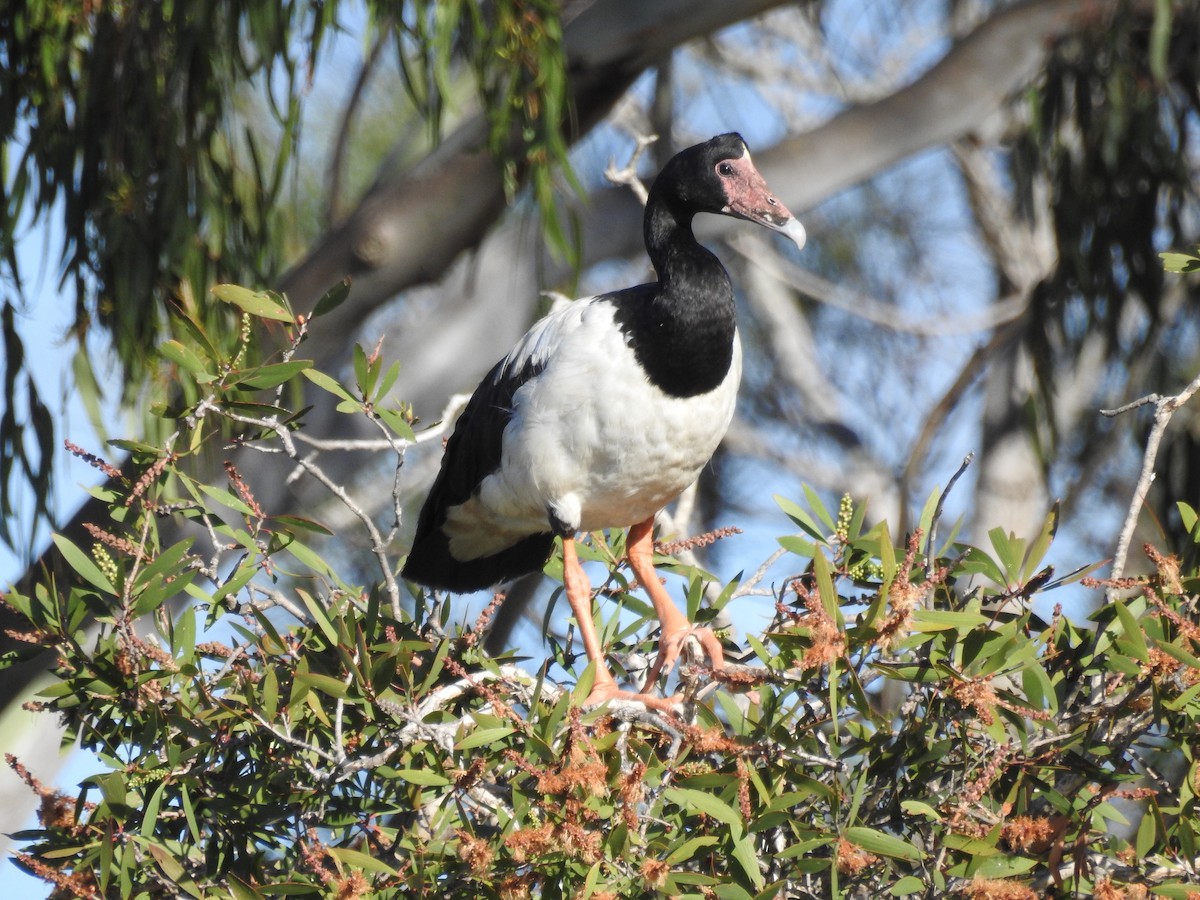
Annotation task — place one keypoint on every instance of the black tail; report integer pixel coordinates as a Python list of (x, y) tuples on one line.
[(472, 453), (430, 563)]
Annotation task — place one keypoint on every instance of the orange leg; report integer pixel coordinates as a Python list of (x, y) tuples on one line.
[(579, 595), (675, 627)]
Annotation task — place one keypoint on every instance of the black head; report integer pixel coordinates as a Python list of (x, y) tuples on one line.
[(718, 176)]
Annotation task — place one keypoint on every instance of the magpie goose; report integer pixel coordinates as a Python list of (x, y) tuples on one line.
[(602, 414)]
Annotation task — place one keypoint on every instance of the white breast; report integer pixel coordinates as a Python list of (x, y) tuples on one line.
[(592, 440)]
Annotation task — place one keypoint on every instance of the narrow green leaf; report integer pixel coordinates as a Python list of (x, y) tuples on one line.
[(825, 588), (270, 694), (423, 777), (389, 379), (481, 737), (319, 615), (395, 420), (815, 504), (330, 384), (326, 684), (227, 498), (82, 564), (947, 620), (688, 848), (801, 517), (362, 370), (882, 844), (1133, 632), (265, 377), (167, 562), (1147, 834), (1041, 544), (257, 303), (150, 814), (176, 874), (703, 802), (239, 890), (743, 853), (333, 298), (360, 860), (1187, 516), (797, 545), (183, 356), (1174, 650), (189, 812)]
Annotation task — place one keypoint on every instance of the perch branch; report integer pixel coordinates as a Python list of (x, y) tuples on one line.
[(1164, 409)]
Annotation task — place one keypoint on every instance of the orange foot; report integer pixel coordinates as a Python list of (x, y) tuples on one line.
[(671, 644), (605, 690)]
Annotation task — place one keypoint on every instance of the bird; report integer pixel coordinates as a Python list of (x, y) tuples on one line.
[(602, 414)]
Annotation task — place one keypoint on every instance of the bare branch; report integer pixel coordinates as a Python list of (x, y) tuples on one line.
[(1164, 409), (627, 174)]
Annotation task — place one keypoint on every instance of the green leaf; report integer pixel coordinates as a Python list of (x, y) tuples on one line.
[(729, 891), (797, 545), (1041, 544), (150, 814), (798, 515), (1187, 515), (395, 420), (1180, 262), (389, 379), (360, 860), (362, 370), (330, 384), (423, 777), (688, 848), (882, 844), (270, 694), (326, 684), (183, 356), (1174, 650), (83, 565), (264, 377), (1000, 866), (257, 303), (815, 504), (919, 808), (696, 801), (300, 523), (743, 853), (947, 620), (176, 874), (1133, 632), (481, 737), (319, 615), (227, 498), (239, 890), (333, 298)]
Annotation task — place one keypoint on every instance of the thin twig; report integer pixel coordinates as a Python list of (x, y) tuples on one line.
[(756, 250), (748, 586), (930, 541), (1164, 408), (627, 174), (378, 545)]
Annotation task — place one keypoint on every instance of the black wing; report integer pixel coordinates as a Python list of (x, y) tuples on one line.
[(473, 453)]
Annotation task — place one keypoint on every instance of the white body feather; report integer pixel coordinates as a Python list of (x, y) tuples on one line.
[(591, 440)]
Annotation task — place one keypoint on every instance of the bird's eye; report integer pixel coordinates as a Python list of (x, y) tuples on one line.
[(725, 168)]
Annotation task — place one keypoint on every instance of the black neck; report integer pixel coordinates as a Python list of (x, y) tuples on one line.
[(683, 333)]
